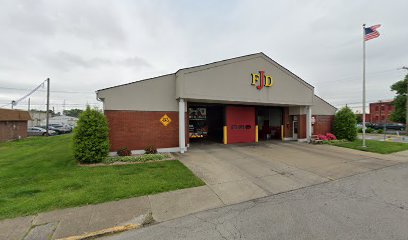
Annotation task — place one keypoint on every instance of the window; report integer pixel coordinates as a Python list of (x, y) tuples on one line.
[(376, 108)]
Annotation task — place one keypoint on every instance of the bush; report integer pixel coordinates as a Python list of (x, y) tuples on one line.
[(359, 130), (330, 136), (345, 124), (91, 143), (380, 131), (124, 152), (322, 137), (369, 130), (150, 149)]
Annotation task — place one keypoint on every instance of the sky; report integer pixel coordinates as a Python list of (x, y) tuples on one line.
[(83, 46)]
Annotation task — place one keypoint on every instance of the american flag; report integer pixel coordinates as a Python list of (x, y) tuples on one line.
[(371, 32)]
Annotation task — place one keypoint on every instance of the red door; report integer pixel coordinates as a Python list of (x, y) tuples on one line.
[(240, 124)]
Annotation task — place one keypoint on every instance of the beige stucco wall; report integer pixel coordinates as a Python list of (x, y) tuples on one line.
[(320, 107), (230, 80), (297, 110), (156, 94)]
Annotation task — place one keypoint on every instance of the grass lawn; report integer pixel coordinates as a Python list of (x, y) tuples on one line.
[(40, 174), (373, 146)]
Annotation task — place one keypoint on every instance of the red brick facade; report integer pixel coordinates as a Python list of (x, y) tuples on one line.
[(302, 126), (323, 124), (11, 130), (380, 112), (287, 130), (138, 129)]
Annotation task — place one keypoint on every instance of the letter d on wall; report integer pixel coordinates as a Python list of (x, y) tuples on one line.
[(268, 81)]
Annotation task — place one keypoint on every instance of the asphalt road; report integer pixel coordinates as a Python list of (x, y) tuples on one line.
[(371, 205)]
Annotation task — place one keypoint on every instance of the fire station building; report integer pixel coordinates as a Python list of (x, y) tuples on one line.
[(245, 99)]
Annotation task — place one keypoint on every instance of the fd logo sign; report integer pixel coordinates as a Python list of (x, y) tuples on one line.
[(261, 79), (165, 120)]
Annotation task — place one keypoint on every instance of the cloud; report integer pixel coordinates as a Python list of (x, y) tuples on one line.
[(67, 61), (89, 45)]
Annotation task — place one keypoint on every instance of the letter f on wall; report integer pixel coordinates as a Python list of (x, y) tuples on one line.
[(255, 78)]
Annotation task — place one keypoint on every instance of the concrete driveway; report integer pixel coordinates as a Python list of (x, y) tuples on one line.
[(241, 172)]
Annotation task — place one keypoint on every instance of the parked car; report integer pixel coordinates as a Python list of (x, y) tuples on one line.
[(37, 131), (57, 130), (389, 126), (396, 126), (62, 128)]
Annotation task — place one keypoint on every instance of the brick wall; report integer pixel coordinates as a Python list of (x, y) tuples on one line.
[(302, 126), (10, 130), (323, 124), (287, 122), (138, 129), (380, 112)]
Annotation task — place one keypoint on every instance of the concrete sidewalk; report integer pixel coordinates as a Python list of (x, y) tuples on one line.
[(233, 174), (79, 220)]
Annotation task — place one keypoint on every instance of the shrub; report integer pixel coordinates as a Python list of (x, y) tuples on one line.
[(330, 136), (359, 130), (150, 149), (345, 124), (369, 130), (91, 143), (380, 131), (124, 152), (322, 137)]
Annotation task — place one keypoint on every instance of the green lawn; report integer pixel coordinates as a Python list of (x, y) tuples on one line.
[(40, 174), (373, 146)]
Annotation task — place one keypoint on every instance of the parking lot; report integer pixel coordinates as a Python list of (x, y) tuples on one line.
[(242, 172)]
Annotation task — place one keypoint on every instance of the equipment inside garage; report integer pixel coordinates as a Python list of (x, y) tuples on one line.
[(206, 122)]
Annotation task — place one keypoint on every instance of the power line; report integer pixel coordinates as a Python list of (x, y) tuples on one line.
[(57, 91)]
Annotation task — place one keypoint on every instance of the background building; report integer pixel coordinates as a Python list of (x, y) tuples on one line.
[(38, 118), (380, 112), (64, 120), (13, 124)]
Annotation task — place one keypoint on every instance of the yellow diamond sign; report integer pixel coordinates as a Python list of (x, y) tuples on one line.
[(165, 120)]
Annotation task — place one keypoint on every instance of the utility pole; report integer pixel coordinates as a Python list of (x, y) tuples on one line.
[(48, 106), (29, 101), (406, 108)]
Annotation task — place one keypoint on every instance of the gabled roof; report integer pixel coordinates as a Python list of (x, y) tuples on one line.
[(14, 115), (249, 56), (209, 65), (325, 101)]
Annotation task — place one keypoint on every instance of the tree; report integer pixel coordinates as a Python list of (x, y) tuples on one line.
[(73, 112), (91, 143), (400, 88), (344, 126), (359, 118)]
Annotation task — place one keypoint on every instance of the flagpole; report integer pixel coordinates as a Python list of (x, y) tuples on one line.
[(364, 88)]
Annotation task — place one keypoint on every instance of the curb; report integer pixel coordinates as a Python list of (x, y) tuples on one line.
[(103, 232), (145, 220)]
